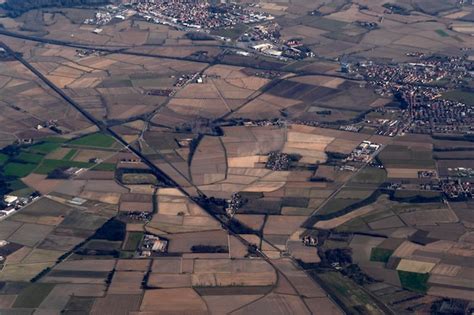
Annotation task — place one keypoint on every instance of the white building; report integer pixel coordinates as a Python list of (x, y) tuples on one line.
[(10, 200)]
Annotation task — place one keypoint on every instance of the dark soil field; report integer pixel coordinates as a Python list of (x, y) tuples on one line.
[(434, 7), (46, 207), (454, 155), (405, 157), (85, 221), (33, 295), (322, 23), (261, 206), (301, 91)]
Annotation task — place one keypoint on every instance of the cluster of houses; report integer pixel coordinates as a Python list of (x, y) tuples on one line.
[(12, 203), (195, 14)]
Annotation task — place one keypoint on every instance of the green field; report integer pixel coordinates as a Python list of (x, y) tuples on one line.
[(27, 157), (24, 192), (48, 166), (24, 159), (94, 140), (3, 158), (352, 298), (44, 147), (380, 254), (105, 167), (18, 169), (133, 240), (33, 295), (466, 97), (335, 205), (441, 33), (413, 281), (370, 175), (16, 185), (70, 155), (233, 32)]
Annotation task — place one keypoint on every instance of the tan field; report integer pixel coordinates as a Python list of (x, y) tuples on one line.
[(173, 300), (168, 281), (245, 161), (451, 292), (40, 183), (84, 265), (458, 282), (332, 83), (466, 28), (18, 256), (167, 265), (237, 279), (61, 82), (404, 172), (219, 305), (225, 272), (457, 15), (333, 223), (282, 224), (342, 146), (252, 221), (446, 270), (429, 217), (22, 272), (41, 256), (132, 265), (126, 282), (115, 304), (111, 198), (352, 14), (264, 186), (406, 249), (415, 266)]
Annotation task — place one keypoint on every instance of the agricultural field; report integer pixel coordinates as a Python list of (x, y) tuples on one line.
[(94, 140), (163, 170), (411, 157), (350, 297), (416, 242)]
